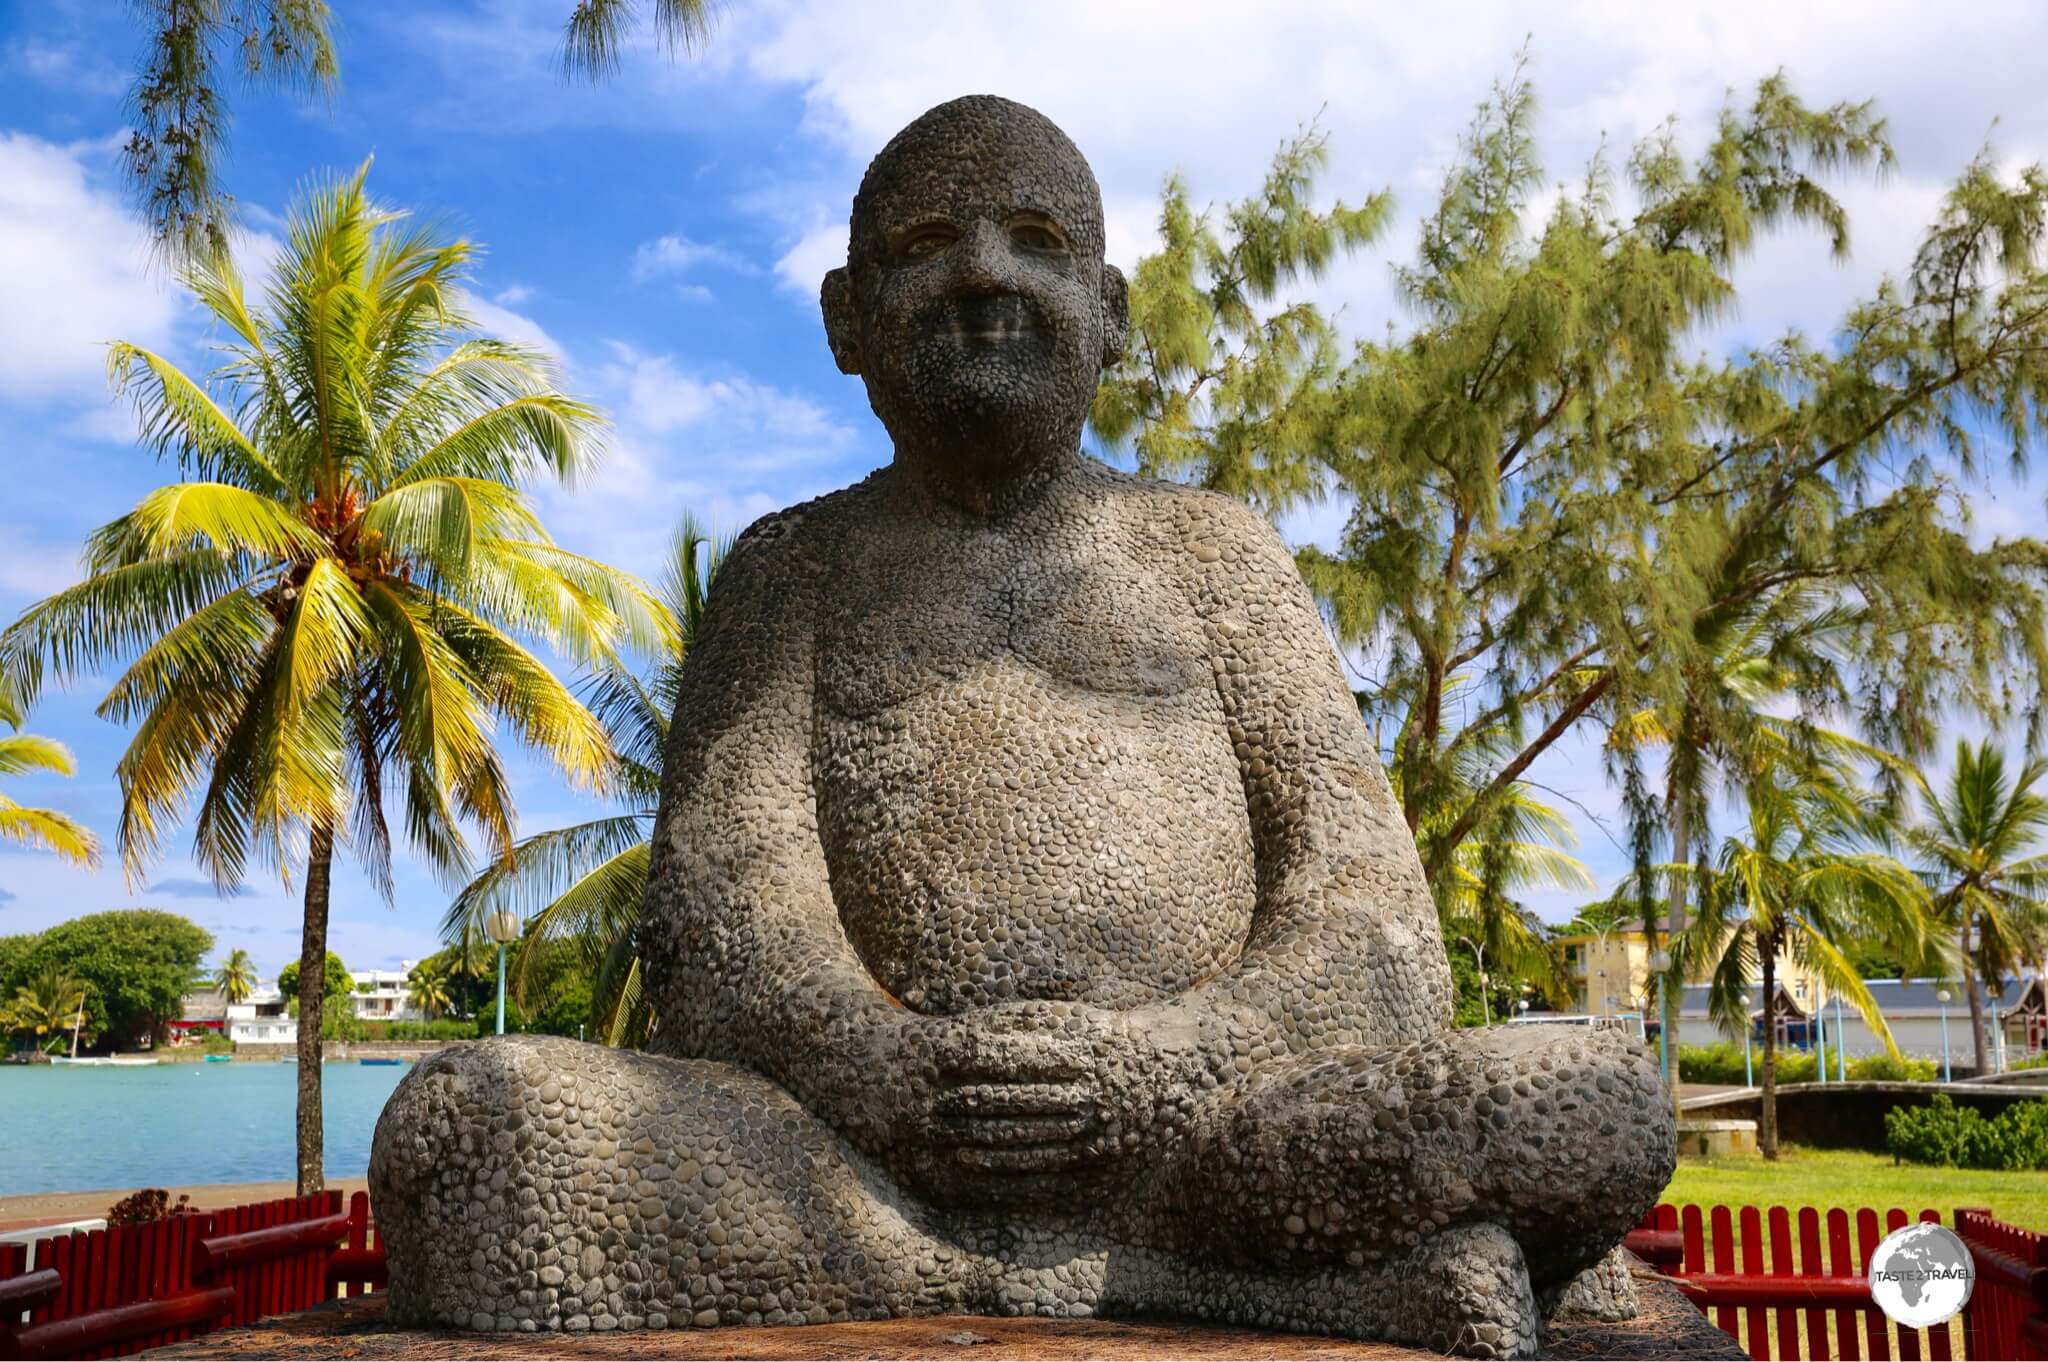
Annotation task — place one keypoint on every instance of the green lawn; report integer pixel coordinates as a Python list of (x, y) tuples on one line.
[(1830, 1177)]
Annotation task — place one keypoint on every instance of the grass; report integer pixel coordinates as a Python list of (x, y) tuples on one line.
[(1825, 1178)]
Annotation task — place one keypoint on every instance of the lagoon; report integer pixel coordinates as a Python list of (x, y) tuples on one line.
[(65, 1129)]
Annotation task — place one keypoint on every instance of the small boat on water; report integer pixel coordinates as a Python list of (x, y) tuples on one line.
[(219, 1059), (104, 1062), (382, 1059)]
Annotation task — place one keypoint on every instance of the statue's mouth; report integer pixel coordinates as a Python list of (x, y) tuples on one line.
[(999, 320)]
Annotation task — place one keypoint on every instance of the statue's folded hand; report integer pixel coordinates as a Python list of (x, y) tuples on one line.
[(1012, 1099)]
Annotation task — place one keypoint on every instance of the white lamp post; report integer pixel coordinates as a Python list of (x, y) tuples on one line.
[(1941, 996), (503, 927)]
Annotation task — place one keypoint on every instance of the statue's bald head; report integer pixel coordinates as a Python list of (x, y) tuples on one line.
[(970, 146), (974, 301)]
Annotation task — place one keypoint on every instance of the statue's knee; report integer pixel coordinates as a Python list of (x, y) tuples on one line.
[(460, 1108)]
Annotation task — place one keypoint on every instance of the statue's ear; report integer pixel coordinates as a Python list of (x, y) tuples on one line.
[(841, 331), (1116, 314)]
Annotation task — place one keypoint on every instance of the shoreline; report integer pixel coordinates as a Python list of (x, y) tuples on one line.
[(33, 1209)]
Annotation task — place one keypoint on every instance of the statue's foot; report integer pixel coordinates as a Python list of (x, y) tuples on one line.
[(1466, 1292), (533, 1183)]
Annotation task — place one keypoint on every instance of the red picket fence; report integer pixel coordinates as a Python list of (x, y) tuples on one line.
[(111, 1292), (1792, 1283), (2008, 1311)]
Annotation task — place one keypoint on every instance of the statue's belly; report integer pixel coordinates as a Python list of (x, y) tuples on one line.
[(1007, 835)]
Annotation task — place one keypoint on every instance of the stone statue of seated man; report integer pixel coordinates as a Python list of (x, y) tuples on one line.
[(1031, 925)]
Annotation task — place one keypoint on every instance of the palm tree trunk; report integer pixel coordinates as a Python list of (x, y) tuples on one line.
[(1681, 851), (1976, 996), (312, 1008), (1767, 1107)]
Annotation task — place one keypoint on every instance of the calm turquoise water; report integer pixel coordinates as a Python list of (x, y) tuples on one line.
[(65, 1129)]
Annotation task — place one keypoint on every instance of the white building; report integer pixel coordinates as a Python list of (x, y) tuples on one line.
[(380, 994), (261, 1018)]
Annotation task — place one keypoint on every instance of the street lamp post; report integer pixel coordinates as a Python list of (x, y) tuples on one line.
[(1941, 996), (503, 927)]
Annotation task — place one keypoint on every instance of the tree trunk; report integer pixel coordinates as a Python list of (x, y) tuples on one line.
[(1975, 994), (1767, 1112), (312, 1008), (1681, 852)]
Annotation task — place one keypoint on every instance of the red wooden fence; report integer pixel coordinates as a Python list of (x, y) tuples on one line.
[(1786, 1283), (1793, 1283), (110, 1292)]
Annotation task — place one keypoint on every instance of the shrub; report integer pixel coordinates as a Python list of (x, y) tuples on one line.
[(1885, 1069), (148, 1205), (441, 1028), (1721, 1062), (1946, 1135)]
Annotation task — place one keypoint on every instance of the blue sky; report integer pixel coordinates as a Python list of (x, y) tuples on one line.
[(664, 233)]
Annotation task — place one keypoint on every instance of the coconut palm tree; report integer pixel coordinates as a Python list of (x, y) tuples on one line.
[(50, 1006), (1798, 885), (21, 753), (1975, 850), (328, 613), (236, 978), (584, 884), (427, 989)]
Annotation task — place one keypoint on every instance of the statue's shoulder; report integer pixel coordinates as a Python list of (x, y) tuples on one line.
[(798, 542), (1155, 508)]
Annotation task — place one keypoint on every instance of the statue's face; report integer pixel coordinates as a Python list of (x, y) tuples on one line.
[(976, 298)]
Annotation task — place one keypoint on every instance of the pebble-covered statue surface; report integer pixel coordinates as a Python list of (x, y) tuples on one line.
[(1031, 925)]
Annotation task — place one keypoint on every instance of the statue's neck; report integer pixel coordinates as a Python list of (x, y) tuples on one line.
[(985, 486)]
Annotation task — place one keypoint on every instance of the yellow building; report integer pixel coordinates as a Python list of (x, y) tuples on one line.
[(1610, 973)]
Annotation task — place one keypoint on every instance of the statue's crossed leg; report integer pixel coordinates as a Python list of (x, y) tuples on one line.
[(569, 1186)]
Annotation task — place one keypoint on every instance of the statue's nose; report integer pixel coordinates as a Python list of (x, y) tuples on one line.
[(982, 261)]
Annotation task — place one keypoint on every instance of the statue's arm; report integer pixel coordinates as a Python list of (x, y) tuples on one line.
[(1344, 945), (742, 941)]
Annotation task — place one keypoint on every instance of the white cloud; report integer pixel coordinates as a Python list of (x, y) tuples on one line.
[(804, 265), (77, 274), (512, 295), (502, 323), (1151, 86), (32, 568), (675, 254)]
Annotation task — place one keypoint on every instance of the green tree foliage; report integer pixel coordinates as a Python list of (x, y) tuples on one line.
[(236, 978), (1977, 851), (136, 966), (20, 754), (338, 981), (1560, 514), (426, 988), (330, 613), (14, 954), (48, 1010), (584, 885), (180, 138)]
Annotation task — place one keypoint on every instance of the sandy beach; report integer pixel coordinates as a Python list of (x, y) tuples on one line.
[(57, 1208)]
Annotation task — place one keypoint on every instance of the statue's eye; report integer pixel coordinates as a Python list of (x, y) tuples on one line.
[(923, 242), (1036, 236)]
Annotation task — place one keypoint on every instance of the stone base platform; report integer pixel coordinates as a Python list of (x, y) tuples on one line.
[(1668, 1327)]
